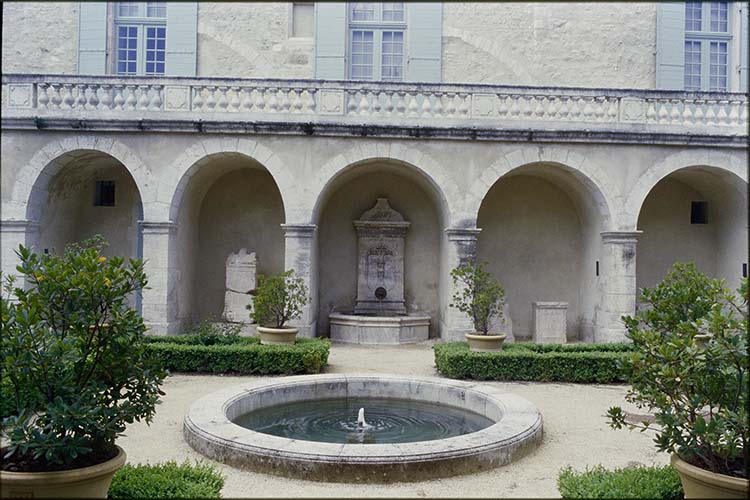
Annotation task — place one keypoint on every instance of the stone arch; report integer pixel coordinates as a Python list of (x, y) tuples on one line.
[(165, 205), (592, 176), (427, 168), (673, 163), (44, 165)]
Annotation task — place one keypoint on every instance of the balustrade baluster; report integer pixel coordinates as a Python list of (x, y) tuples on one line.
[(515, 108), (297, 104), (105, 102), (260, 99), (131, 100), (539, 110), (734, 113), (376, 106), (650, 111), (247, 98), (613, 109), (674, 112), (55, 99), (156, 100), (437, 109), (687, 112), (663, 114), (588, 109), (273, 101), (363, 107), (143, 100), (210, 98), (426, 105), (119, 99), (502, 105), (311, 101), (80, 101), (528, 107), (743, 113), (699, 115), (463, 108), (450, 107), (286, 104), (552, 108), (401, 103), (197, 103), (599, 112), (68, 98), (42, 99), (351, 102), (413, 106), (234, 102), (710, 113), (722, 118), (222, 103), (93, 101)]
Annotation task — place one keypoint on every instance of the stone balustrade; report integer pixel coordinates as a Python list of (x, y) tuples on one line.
[(405, 104)]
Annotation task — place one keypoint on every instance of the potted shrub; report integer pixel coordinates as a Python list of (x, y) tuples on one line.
[(479, 295), (277, 300), (77, 371), (690, 368)]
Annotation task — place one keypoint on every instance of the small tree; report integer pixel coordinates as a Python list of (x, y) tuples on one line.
[(73, 352), (278, 299), (479, 295), (690, 367)]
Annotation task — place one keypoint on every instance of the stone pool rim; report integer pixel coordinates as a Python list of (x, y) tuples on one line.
[(210, 431)]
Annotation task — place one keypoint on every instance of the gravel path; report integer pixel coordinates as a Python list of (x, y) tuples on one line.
[(575, 433)]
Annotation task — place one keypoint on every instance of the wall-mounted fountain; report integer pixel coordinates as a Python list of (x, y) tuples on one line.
[(363, 428), (380, 314)]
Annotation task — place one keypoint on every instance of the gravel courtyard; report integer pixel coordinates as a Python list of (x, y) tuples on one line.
[(575, 433)]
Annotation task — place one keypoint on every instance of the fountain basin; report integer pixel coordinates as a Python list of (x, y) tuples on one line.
[(210, 429), (363, 329)]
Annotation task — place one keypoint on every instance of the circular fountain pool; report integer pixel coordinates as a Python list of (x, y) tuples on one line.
[(414, 428)]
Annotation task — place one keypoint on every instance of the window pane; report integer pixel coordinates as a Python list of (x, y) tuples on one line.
[(128, 9), (692, 65), (393, 11), (127, 41), (362, 55), (693, 13), (392, 52), (719, 16), (155, 42), (363, 11), (156, 9), (718, 67)]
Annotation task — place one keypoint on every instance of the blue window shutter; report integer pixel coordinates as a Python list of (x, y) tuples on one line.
[(425, 41), (330, 40), (670, 46), (92, 38), (182, 38), (744, 74)]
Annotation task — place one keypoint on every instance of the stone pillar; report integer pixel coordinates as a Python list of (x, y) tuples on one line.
[(159, 303), (618, 287), (12, 234), (462, 248), (299, 254)]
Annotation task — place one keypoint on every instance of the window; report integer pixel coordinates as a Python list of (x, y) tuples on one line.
[(376, 38), (707, 41), (105, 194), (699, 212), (141, 37)]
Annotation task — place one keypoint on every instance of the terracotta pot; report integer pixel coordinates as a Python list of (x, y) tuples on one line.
[(485, 343), (700, 483), (88, 482), (277, 336)]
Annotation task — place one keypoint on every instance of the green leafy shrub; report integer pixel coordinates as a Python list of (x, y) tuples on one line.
[(246, 355), (72, 352), (579, 363), (167, 480), (478, 295), (278, 299), (635, 482), (208, 332), (690, 368)]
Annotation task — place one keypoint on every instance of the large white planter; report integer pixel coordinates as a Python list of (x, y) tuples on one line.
[(700, 483), (87, 482), (277, 336), (485, 343)]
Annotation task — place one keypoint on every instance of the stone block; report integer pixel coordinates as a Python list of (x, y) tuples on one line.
[(550, 322), (241, 271), (235, 307)]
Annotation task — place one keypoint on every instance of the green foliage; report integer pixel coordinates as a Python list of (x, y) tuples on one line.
[(635, 482), (580, 363), (246, 355), (479, 295), (167, 480), (278, 299), (73, 356), (212, 333), (690, 368)]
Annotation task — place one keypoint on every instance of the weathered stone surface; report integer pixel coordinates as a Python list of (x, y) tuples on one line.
[(550, 322), (235, 307), (353, 329), (240, 279)]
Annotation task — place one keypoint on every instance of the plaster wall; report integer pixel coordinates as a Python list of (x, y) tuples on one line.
[(558, 44), (533, 241), (231, 203), (337, 240), (69, 214)]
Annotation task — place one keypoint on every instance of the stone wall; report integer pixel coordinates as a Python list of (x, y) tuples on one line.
[(565, 44)]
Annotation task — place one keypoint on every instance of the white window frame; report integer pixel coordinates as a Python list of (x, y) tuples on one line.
[(377, 27), (141, 22), (705, 37)]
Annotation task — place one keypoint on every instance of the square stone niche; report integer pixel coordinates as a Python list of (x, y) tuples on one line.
[(550, 322)]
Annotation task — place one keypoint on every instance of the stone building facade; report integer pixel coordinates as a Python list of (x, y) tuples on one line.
[(556, 142)]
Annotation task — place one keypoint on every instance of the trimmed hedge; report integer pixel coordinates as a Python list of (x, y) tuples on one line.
[(246, 355), (636, 482), (167, 480), (579, 363)]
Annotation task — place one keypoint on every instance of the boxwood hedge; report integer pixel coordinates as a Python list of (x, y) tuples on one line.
[(635, 482), (167, 480), (244, 355), (580, 363)]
